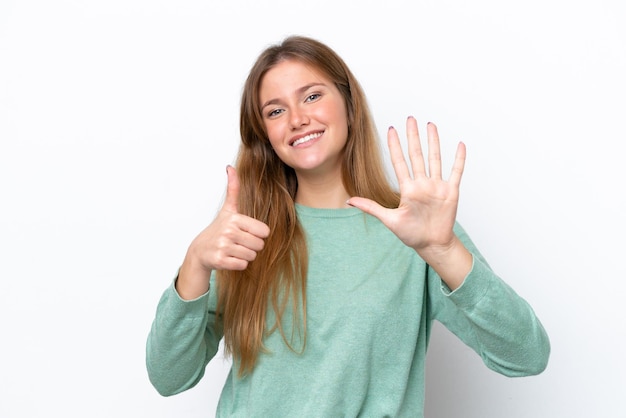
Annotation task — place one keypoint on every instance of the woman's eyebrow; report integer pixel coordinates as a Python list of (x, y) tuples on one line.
[(297, 92)]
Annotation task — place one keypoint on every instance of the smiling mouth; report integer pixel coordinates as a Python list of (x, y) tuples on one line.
[(306, 138)]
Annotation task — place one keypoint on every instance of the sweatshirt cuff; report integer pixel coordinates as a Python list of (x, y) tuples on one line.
[(473, 288), (180, 308)]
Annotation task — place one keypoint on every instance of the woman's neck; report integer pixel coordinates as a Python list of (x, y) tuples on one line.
[(327, 193)]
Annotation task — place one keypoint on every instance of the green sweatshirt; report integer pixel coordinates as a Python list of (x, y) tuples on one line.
[(371, 301)]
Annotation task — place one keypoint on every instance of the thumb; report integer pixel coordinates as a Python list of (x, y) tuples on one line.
[(231, 202), (368, 206)]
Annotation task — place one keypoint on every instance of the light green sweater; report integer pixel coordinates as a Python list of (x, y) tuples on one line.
[(370, 305)]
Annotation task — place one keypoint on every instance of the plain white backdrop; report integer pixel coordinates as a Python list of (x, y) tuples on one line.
[(118, 117)]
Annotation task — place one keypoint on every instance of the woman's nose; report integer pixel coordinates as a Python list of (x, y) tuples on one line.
[(298, 118)]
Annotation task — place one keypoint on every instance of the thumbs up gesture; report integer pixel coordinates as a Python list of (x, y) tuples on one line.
[(230, 242)]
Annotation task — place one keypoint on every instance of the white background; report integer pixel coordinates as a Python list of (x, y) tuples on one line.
[(118, 117)]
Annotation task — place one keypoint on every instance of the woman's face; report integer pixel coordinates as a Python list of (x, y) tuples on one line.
[(305, 118)]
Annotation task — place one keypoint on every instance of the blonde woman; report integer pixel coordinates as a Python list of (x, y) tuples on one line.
[(322, 278)]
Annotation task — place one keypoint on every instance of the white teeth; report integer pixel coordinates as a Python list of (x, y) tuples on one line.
[(306, 139)]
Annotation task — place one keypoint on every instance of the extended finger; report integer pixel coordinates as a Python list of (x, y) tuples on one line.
[(458, 166), (415, 148), (397, 157), (369, 206), (231, 202), (434, 151)]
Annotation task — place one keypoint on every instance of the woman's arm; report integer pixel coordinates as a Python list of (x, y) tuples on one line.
[(184, 337)]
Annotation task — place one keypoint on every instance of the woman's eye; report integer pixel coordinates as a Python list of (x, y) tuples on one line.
[(274, 112), (312, 97)]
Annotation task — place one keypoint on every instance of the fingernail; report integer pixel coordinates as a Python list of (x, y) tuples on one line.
[(227, 165), (391, 127)]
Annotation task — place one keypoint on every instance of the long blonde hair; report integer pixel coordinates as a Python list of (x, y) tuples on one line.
[(267, 191)]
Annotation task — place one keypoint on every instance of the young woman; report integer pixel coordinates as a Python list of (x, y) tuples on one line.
[(322, 279)]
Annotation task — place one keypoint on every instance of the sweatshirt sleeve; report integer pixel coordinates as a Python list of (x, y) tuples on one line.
[(487, 315), (182, 340)]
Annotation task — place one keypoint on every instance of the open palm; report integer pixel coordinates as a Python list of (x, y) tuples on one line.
[(428, 203)]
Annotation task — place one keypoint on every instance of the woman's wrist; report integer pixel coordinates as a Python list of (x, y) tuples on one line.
[(193, 279), (451, 262)]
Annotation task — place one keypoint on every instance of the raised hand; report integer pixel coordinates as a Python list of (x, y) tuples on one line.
[(425, 218), (230, 242)]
